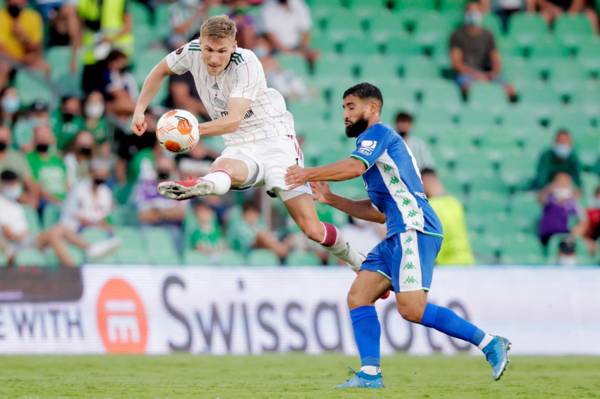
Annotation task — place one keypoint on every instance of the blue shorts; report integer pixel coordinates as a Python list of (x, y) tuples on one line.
[(406, 259), (464, 80)]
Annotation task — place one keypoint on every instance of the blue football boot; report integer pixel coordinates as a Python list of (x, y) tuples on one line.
[(363, 380), (496, 354)]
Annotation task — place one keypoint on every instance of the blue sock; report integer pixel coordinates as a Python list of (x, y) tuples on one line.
[(367, 332), (448, 322)]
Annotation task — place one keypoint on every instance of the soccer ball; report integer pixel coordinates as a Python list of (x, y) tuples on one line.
[(177, 131)]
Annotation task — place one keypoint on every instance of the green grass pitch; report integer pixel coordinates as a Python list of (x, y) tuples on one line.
[(290, 376)]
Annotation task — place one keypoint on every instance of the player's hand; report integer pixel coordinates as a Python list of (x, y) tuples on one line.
[(320, 190), (138, 123), (295, 177)]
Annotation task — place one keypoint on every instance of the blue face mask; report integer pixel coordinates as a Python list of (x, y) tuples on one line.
[(10, 105), (562, 150), (473, 18)]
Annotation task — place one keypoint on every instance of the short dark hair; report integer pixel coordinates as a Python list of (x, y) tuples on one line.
[(428, 171), (404, 116), (562, 131), (364, 90), (8, 175), (249, 206)]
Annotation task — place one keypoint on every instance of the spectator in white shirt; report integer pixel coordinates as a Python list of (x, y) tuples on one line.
[(77, 161), (15, 234), (419, 148), (287, 25)]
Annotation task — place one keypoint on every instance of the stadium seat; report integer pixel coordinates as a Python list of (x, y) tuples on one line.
[(301, 258), (385, 24), (430, 29), (486, 249), (139, 13), (293, 62), (322, 42), (545, 52), (588, 55), (540, 99), (230, 258), (124, 215), (457, 5), (145, 61), (527, 28), (583, 257), (193, 257), (263, 257), (586, 101), (519, 72), (519, 120), (365, 10), (567, 77), (401, 48), (361, 46), (477, 119), (380, 68), (31, 257), (489, 97), (33, 86), (572, 121), (133, 254), (160, 246), (329, 69), (343, 23), (307, 110), (492, 23), (441, 94), (572, 29)]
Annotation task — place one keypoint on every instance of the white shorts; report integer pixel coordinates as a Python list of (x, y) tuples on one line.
[(267, 161)]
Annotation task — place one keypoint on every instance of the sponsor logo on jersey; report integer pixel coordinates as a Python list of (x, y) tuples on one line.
[(237, 58), (246, 116), (367, 147)]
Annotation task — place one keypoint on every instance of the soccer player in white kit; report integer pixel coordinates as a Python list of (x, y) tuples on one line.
[(257, 129)]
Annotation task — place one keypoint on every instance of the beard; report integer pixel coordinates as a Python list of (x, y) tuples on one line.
[(356, 128)]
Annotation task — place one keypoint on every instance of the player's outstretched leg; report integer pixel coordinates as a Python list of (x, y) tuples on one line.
[(413, 306), (367, 287)]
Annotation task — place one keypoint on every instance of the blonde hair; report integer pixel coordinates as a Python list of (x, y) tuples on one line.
[(220, 26)]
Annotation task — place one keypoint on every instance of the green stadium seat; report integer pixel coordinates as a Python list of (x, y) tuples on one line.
[(381, 68), (567, 77), (519, 120), (160, 246), (362, 46), (420, 70), (33, 86), (402, 48), (509, 47), (31, 257), (130, 237), (385, 24), (375, 4), (441, 94), (301, 258), (329, 69), (540, 99), (366, 10), (219, 10), (527, 28), (322, 42), (124, 215), (455, 18), (502, 226), (586, 101), (132, 254), (343, 23), (145, 61), (588, 55), (479, 201), (457, 5), (430, 29), (571, 30), (405, 5), (93, 234), (486, 249), (477, 119), (572, 121), (139, 13), (519, 72), (230, 258), (308, 110), (488, 96), (263, 257), (583, 257), (293, 62), (193, 257), (492, 23)]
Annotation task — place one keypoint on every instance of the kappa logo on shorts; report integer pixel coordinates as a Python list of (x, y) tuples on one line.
[(121, 318), (179, 50), (367, 147)]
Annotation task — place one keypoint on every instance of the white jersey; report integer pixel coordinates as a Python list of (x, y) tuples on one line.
[(244, 77)]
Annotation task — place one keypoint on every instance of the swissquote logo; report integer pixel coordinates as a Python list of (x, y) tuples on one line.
[(121, 318)]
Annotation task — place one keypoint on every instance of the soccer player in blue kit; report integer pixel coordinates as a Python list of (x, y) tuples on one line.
[(404, 260)]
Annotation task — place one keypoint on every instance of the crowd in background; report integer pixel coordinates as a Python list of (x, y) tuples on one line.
[(74, 162)]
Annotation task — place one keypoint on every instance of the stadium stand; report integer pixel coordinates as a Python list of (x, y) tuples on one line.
[(485, 147)]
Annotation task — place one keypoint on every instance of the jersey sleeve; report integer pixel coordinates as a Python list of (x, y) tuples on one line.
[(370, 145), (180, 60), (247, 78)]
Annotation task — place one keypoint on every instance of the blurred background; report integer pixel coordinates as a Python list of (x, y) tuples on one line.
[(499, 101)]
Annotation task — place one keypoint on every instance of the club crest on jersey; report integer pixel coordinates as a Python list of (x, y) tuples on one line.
[(367, 147)]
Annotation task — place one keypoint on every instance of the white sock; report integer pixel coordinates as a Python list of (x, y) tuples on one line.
[(371, 370), (221, 181), (342, 249), (486, 340)]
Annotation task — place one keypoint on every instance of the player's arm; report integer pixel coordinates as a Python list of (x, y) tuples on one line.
[(346, 169), (149, 89), (236, 110), (362, 209)]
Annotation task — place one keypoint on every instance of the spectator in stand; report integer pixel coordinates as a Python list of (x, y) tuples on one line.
[(16, 162), (559, 158), (67, 121), (37, 115), (474, 55), (183, 95), (561, 214), (185, 19), (77, 160), (249, 231), (456, 249), (15, 235), (506, 8), (95, 122), (245, 24), (551, 9), (119, 86), (287, 25), (284, 81), (60, 17), (48, 169), (156, 210), (419, 148), (21, 39), (592, 233), (9, 106), (207, 236), (90, 202)]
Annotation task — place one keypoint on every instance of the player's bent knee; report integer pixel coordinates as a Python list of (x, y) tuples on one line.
[(356, 299), (410, 311)]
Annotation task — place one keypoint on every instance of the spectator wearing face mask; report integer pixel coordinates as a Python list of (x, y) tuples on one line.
[(592, 233), (47, 167), (10, 105), (15, 234), (37, 115), (67, 121), (16, 162), (77, 161), (95, 121), (474, 55), (561, 214), (419, 148), (559, 158)]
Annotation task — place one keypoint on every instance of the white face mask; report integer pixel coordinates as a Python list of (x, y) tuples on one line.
[(13, 192), (563, 193), (94, 110), (10, 105)]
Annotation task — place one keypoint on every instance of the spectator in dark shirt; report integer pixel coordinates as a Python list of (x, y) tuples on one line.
[(559, 158), (550, 9), (505, 8), (473, 53)]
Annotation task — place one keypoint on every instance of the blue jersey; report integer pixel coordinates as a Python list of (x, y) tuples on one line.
[(393, 181)]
